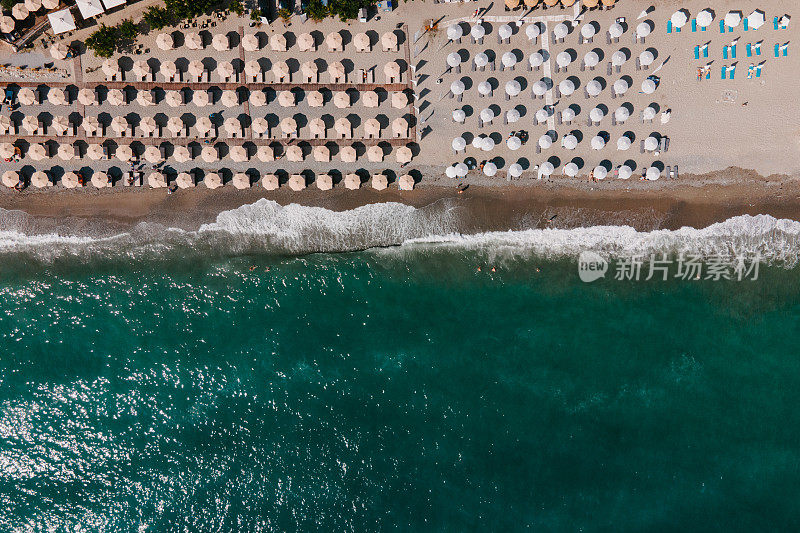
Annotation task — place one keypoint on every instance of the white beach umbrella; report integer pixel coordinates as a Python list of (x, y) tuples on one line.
[(643, 29), (348, 154), (459, 115), (454, 32), (201, 98), (230, 98), (490, 169), (173, 98), (459, 144), (115, 97), (375, 154), (294, 154), (622, 114), (287, 99), (618, 58), (184, 180), (563, 59), (477, 142), (453, 59), (220, 42), (505, 31), (7, 150), (487, 115), (87, 97), (175, 125), (193, 41), (239, 153), (571, 169), (457, 87), (756, 19), (37, 152), (646, 58), (250, 42), (141, 69), (542, 115), (461, 170), (705, 18), (624, 172), (66, 152), (124, 153), (477, 31), (324, 182), (212, 180), (485, 88), (588, 31), (513, 143), (623, 143), (265, 153), (513, 87), (209, 154), (195, 68), (20, 12), (615, 30), (10, 178), (653, 173), (57, 96), (487, 144), (7, 24), (110, 67), (596, 114), (649, 113), (59, 51), (352, 182), (258, 98), (560, 30), (450, 171), (600, 172), (536, 59), (90, 125), (570, 142), (306, 42), (545, 142), (145, 98), (241, 180), (566, 87), (539, 88), (591, 59), (164, 41), (252, 68), (226, 70), (515, 170), (594, 88), (70, 180), (509, 59), (168, 69), (181, 154), (270, 182), (598, 142), (650, 143), (620, 86), (481, 60), (31, 123), (334, 41), (157, 180), (546, 168), (648, 86), (322, 154), (148, 125), (40, 180), (532, 31), (232, 126), (732, 19), (60, 124), (679, 19), (100, 180), (512, 115)]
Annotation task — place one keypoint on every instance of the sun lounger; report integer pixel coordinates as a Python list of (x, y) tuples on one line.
[(749, 50), (708, 74), (705, 50), (697, 52), (722, 26), (669, 26), (694, 25), (732, 71), (676, 171), (641, 147), (733, 51), (724, 70), (758, 71), (724, 52), (775, 22), (758, 48), (745, 24), (777, 48), (785, 49)]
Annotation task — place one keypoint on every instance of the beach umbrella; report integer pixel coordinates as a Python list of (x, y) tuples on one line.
[(620, 86), (571, 169), (532, 31), (513, 143), (57, 96), (90, 125), (225, 70), (195, 68), (546, 168), (20, 12), (648, 86), (173, 98), (181, 154), (400, 127), (324, 182), (175, 125), (545, 142), (650, 143), (152, 154), (289, 126), (588, 31), (239, 153), (622, 114), (391, 69), (40, 180), (454, 32), (403, 155), (459, 115), (653, 173), (265, 154), (343, 127), (70, 180), (490, 169), (100, 180), (58, 51), (375, 154), (477, 31), (457, 87), (459, 143), (306, 42), (566, 87), (405, 182), (623, 143), (309, 70), (201, 98), (487, 115), (115, 97), (260, 126), (649, 113), (756, 19), (505, 31), (594, 88), (477, 141), (598, 142), (453, 60), (624, 172), (220, 42), (141, 69), (164, 41), (286, 99), (341, 99), (7, 24), (7, 150), (570, 142), (618, 58), (37, 152), (148, 125), (732, 19), (30, 124), (539, 88), (536, 59), (335, 70), (560, 30), (679, 19), (251, 43), (280, 69), (509, 59), (563, 59), (600, 172), (615, 30), (270, 182), (252, 68), (352, 182), (487, 144), (168, 69), (317, 127), (193, 41), (348, 154), (513, 88), (321, 153), (461, 170), (258, 98), (512, 115), (294, 153), (5, 123), (591, 59), (145, 98), (241, 180), (232, 126), (212, 180), (515, 170), (209, 154), (646, 58), (705, 18), (484, 88), (230, 98), (450, 172), (643, 29), (10, 178), (379, 182), (368, 98), (334, 41), (297, 182), (124, 153), (60, 124), (66, 152), (157, 180), (33, 5), (87, 97), (542, 115), (110, 67), (184, 180)]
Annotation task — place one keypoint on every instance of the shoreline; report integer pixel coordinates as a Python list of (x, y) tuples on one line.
[(695, 201)]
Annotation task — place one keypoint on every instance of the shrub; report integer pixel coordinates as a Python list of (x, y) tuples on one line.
[(128, 30), (237, 7), (157, 17), (255, 15)]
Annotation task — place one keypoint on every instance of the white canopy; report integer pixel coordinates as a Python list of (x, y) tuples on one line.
[(591, 59), (756, 19), (566, 87), (459, 115), (61, 21), (484, 87), (600, 172), (545, 142), (477, 31), (732, 19), (618, 58), (598, 142), (679, 19), (623, 143), (649, 113), (461, 170), (620, 86), (568, 115), (490, 169), (646, 58), (481, 60), (650, 144), (512, 115), (561, 30), (487, 144), (539, 88), (89, 8), (648, 86), (515, 170), (546, 168), (705, 18), (457, 87), (459, 144), (536, 59), (615, 30), (454, 31), (111, 4), (596, 114), (513, 87), (622, 114), (653, 173), (487, 115), (624, 172), (542, 115), (643, 29), (588, 31), (563, 59), (509, 59), (594, 88), (513, 143), (453, 59), (505, 31)]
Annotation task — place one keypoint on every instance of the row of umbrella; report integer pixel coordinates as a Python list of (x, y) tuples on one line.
[(209, 154), (732, 19), (22, 10), (566, 87), (546, 169), (563, 59), (570, 142), (621, 114), (213, 180)]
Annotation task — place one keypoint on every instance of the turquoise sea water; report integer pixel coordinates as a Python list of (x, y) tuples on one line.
[(392, 389)]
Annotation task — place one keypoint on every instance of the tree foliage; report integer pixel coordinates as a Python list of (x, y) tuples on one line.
[(128, 30), (317, 11), (158, 17), (237, 7), (186, 9), (348, 9), (103, 42)]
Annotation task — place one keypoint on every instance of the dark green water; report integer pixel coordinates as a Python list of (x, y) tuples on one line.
[(394, 390)]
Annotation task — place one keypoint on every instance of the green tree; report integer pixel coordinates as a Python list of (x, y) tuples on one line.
[(185, 9), (128, 30), (8, 5), (285, 14), (255, 15), (317, 10), (157, 17), (348, 9), (237, 7), (103, 42)]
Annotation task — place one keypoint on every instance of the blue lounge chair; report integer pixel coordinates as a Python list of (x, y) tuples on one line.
[(724, 70), (785, 49), (775, 22), (724, 52), (758, 48), (697, 52), (749, 50), (708, 74), (705, 51), (732, 71), (777, 47), (694, 25), (669, 26), (677, 29), (733, 51), (758, 71), (722, 26), (745, 24)]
